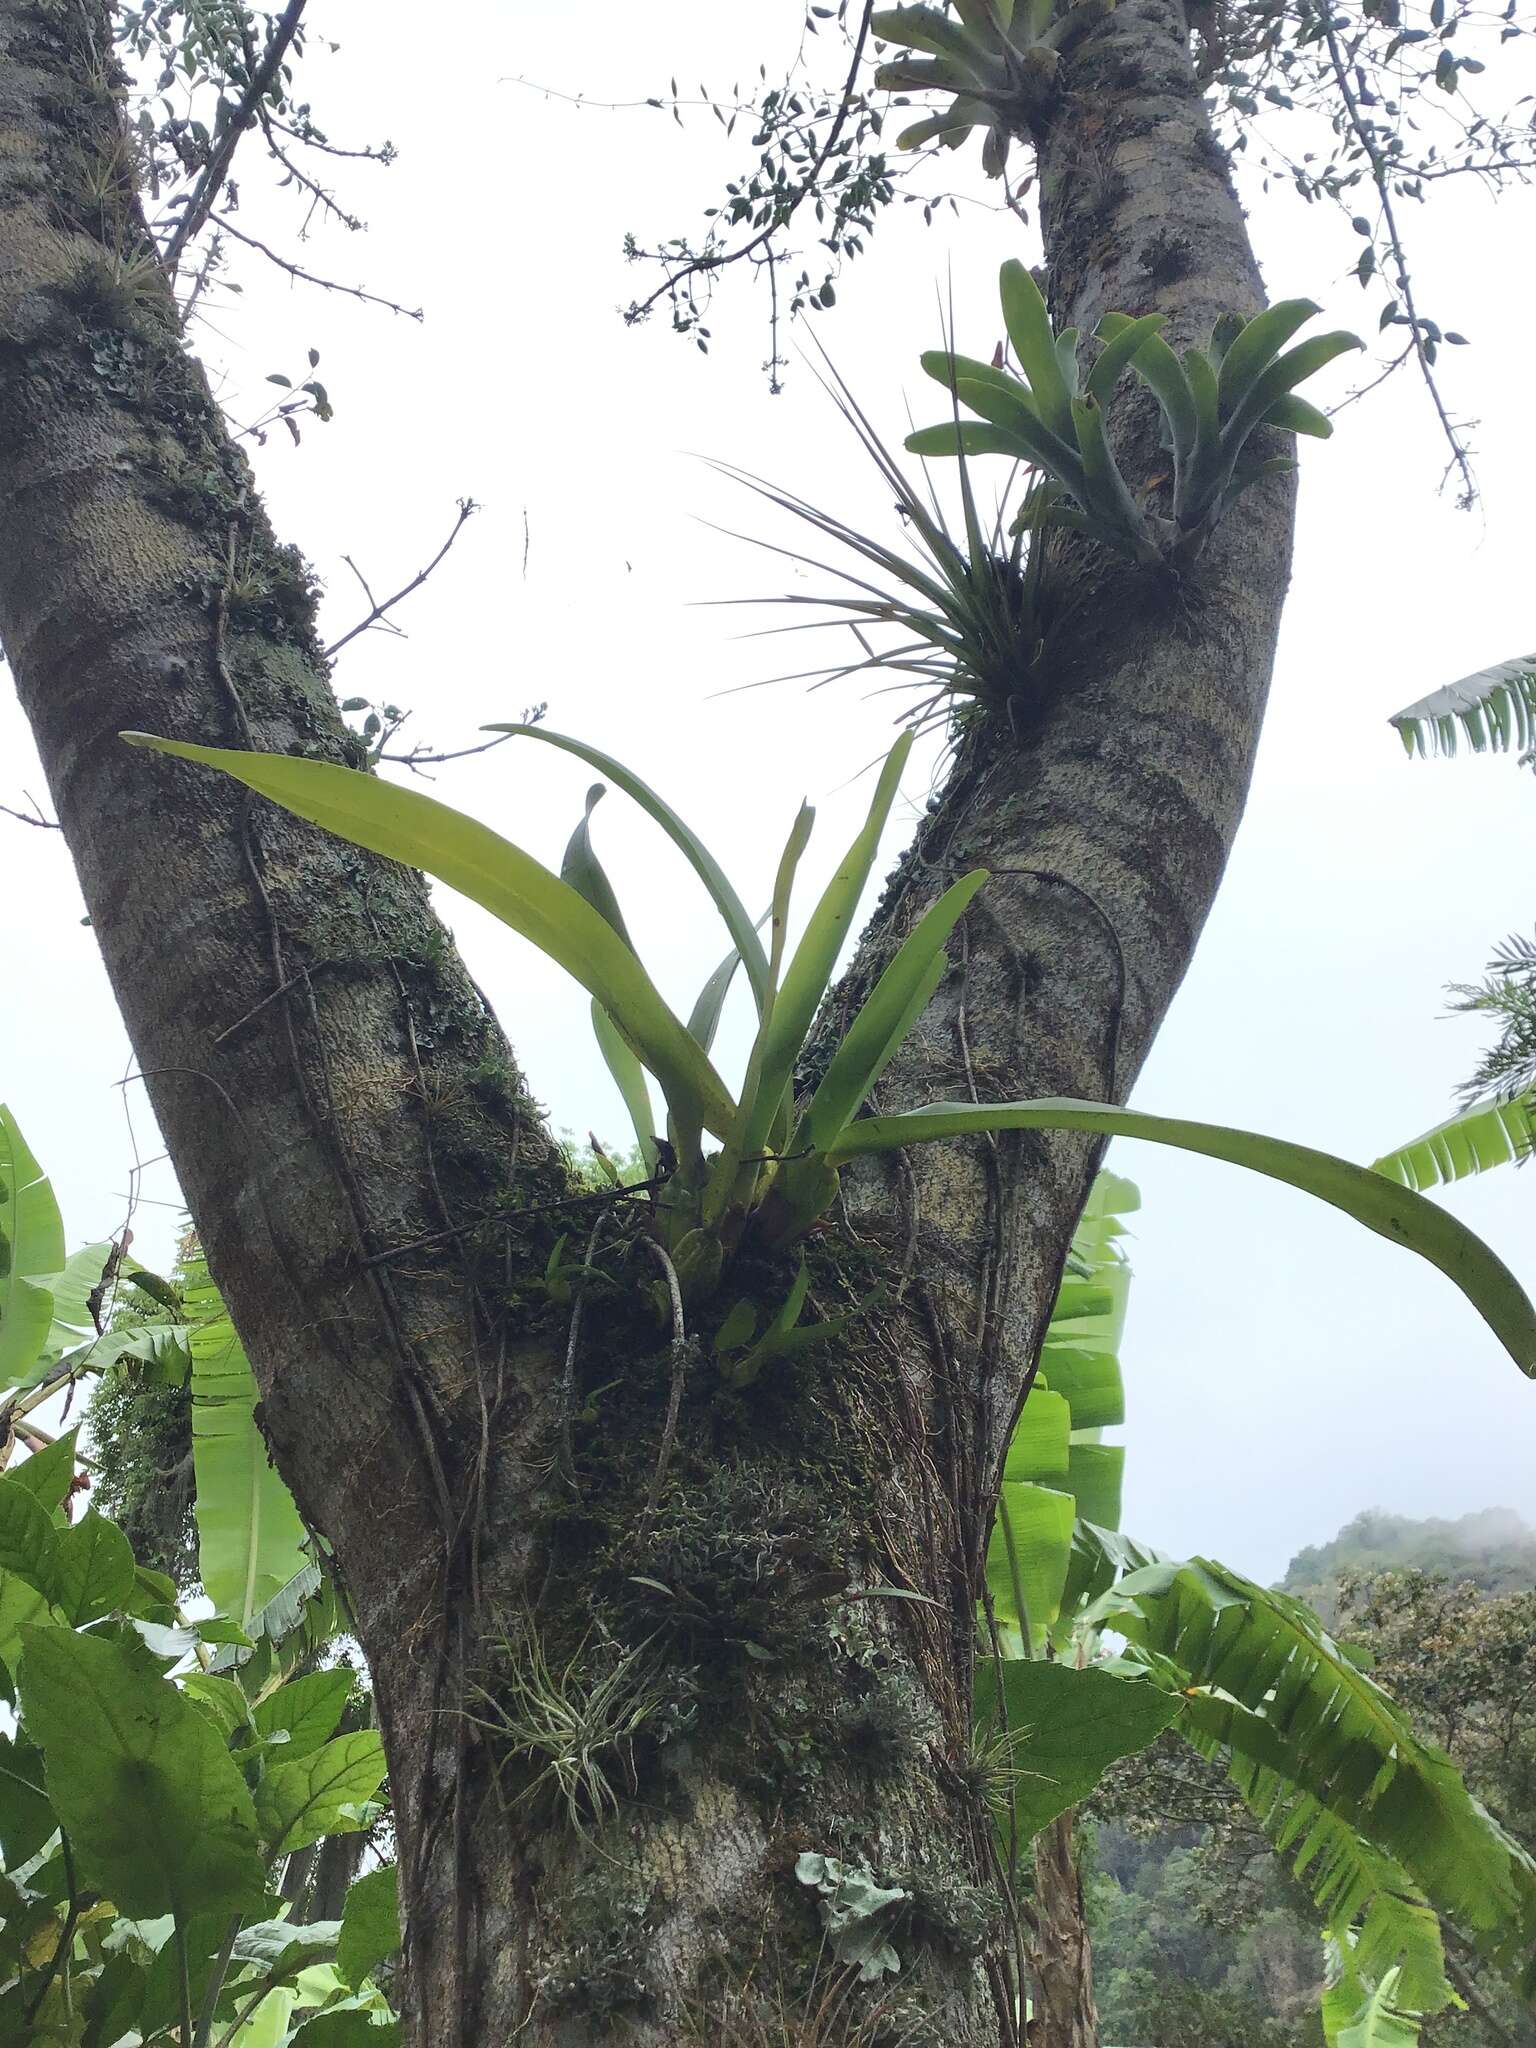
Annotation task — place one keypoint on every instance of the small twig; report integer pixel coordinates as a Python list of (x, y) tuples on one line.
[(419, 758), (681, 1353), (784, 212), (328, 284), (200, 205), (66, 1940), (220, 1971), (507, 1217), (1365, 136), (256, 1009), (33, 817), (467, 510)]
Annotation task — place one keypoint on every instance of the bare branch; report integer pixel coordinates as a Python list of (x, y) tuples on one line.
[(467, 510), (34, 816), (329, 284)]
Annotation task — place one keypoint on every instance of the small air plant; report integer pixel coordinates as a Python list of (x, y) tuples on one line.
[(572, 1731), (1212, 401), (973, 606)]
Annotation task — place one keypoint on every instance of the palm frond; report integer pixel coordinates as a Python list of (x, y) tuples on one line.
[(1494, 710)]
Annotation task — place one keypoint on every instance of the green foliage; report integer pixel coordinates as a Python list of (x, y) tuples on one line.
[(1378, 1823), (971, 611), (1211, 403), (251, 1541), (1493, 1551), (998, 60), (145, 1818), (1486, 1134), (776, 1173), (1508, 994), (1069, 1725), (1493, 710), (31, 1250), (1330, 1765)]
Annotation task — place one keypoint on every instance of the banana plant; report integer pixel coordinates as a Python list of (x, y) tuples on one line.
[(775, 1171), (1493, 710), (1491, 1132), (1377, 1823), (1211, 403), (999, 59)]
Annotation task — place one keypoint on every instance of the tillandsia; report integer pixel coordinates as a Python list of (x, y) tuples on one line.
[(974, 614), (773, 1173), (998, 59), (1212, 401)]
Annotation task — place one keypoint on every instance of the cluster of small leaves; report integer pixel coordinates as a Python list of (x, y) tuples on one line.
[(197, 69), (814, 146), (310, 397), (1393, 95)]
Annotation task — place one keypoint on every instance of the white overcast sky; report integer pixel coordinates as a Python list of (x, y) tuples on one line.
[(1285, 1368)]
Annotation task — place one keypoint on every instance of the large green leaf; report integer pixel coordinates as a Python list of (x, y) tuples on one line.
[(586, 874), (92, 1570), (1494, 708), (250, 1538), (796, 1002), (1068, 1725), (31, 1247), (370, 1925), (303, 1712), (1488, 1133), (328, 1792), (158, 1816), (741, 927), (1278, 1692), (49, 1473), (1040, 1449), (28, 1538), (408, 826), (886, 1015), (1027, 1561), (1382, 1205), (1378, 2022)]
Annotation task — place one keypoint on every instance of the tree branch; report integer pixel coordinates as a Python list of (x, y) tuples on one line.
[(782, 214), (467, 510), (200, 205)]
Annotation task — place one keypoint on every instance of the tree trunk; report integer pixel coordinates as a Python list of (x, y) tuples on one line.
[(1065, 2015), (331, 1088)]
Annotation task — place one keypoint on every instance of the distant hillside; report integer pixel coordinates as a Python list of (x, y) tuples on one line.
[(1493, 1548)]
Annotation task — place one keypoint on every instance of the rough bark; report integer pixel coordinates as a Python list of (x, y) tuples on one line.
[(331, 1087), (1065, 2015)]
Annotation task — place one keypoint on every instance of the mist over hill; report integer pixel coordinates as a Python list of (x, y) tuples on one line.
[(1494, 1548)]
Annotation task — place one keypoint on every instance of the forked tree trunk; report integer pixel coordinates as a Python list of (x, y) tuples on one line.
[(331, 1089)]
